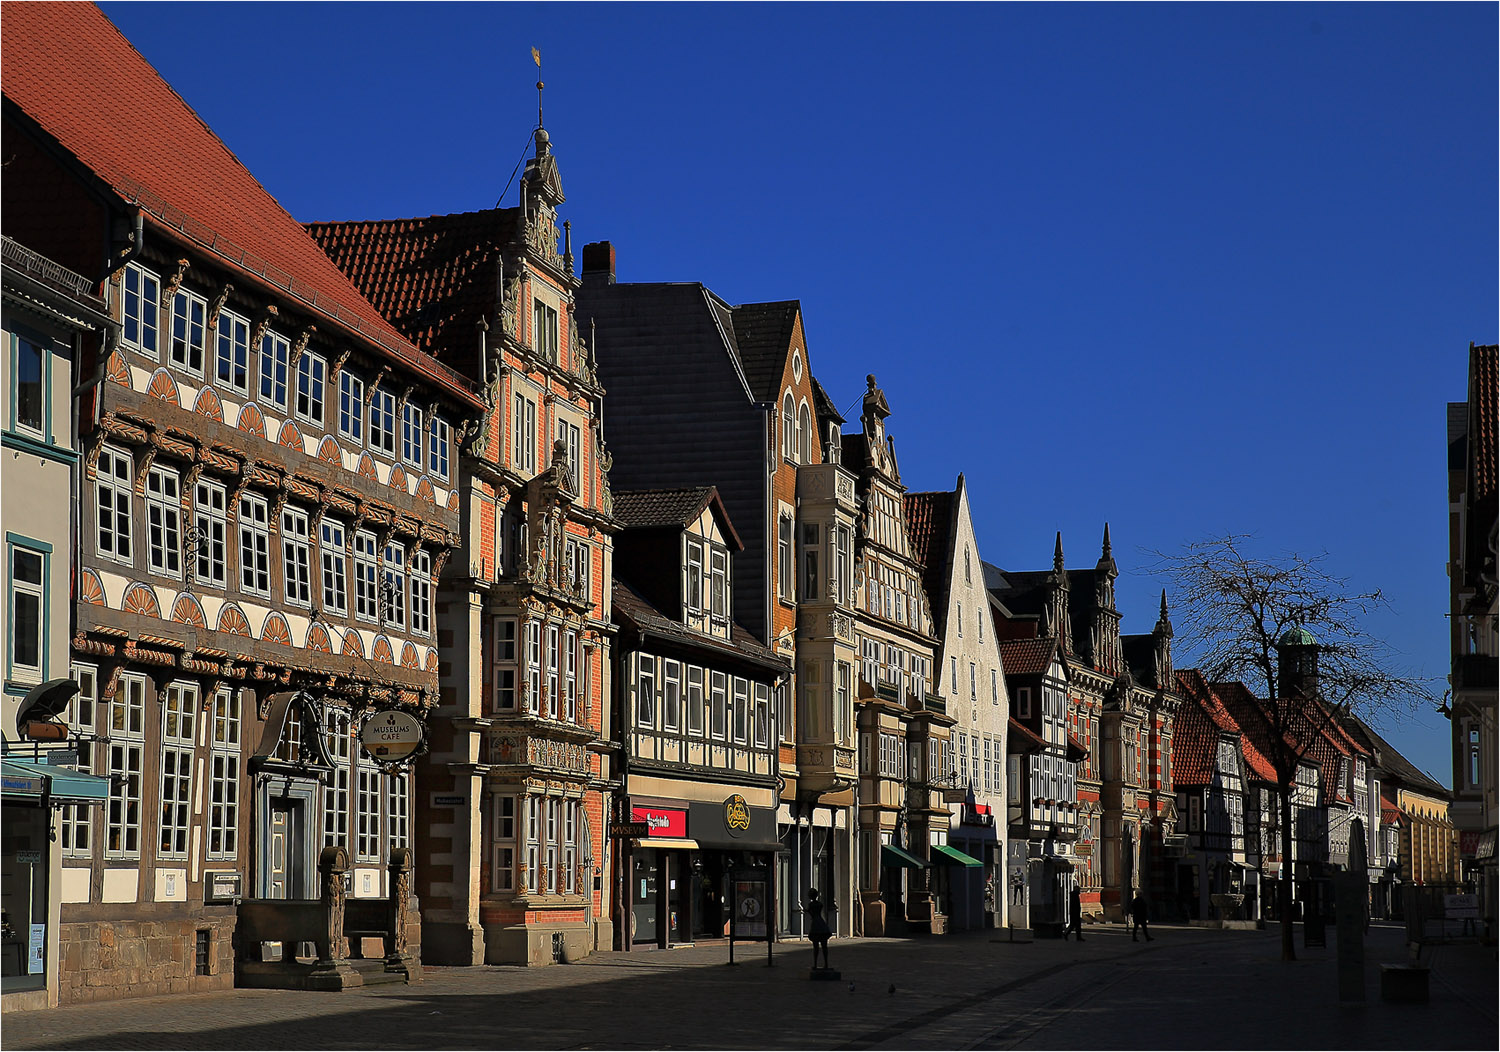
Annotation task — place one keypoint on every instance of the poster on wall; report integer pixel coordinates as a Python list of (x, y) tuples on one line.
[(749, 907), (36, 961)]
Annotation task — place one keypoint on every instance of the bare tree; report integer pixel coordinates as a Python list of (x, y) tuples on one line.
[(1237, 612)]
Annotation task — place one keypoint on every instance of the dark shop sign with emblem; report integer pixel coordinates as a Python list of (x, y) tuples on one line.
[(733, 824)]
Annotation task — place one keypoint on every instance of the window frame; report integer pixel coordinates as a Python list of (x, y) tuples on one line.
[(382, 430), (120, 491), (440, 442), (333, 566), (351, 421), (42, 429), (413, 436), (296, 557), (39, 591), (274, 356), (164, 554), (146, 319), (184, 302), (211, 521), (232, 351), (312, 390)]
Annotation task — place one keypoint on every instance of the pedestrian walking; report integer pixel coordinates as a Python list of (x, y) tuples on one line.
[(1138, 912), (818, 929), (1075, 915)]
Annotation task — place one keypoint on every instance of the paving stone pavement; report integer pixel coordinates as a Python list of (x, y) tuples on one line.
[(1189, 988)]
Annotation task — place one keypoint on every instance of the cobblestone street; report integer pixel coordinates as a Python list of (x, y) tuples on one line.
[(965, 991)]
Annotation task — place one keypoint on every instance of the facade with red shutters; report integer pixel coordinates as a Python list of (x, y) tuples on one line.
[(268, 495), (512, 821)]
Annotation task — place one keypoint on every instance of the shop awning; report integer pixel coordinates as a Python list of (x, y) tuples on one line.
[(894, 856), (671, 845), (23, 778), (944, 855)]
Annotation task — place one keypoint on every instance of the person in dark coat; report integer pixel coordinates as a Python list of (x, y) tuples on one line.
[(818, 931), (1075, 915), (1138, 916)]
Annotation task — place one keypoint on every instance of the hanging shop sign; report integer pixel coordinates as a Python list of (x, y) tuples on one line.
[(736, 816), (392, 736)]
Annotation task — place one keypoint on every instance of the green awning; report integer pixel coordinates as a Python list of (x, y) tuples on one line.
[(24, 778), (894, 856), (952, 856)]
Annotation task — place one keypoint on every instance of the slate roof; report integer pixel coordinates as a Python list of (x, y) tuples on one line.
[(763, 332), (1396, 765), (647, 509), (823, 406), (70, 70), (632, 607), (433, 277), (1023, 593), (1484, 390), (1026, 657), (929, 527)]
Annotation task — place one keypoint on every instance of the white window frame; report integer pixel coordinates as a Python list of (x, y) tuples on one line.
[(554, 671), (189, 332), (127, 744), (76, 820), (337, 724), (366, 577), (505, 664), (503, 827), (645, 692), (695, 696), (421, 592), (312, 389), (252, 524), (367, 794), (224, 774), (333, 561), (571, 437), (179, 711), (534, 667), (164, 522), (523, 438), (114, 508), (398, 809), (275, 369), (32, 592), (351, 406), (211, 521), (140, 311), (383, 423), (440, 442), (232, 337), (718, 706), (544, 329), (393, 586), (413, 435), (296, 558), (570, 676)]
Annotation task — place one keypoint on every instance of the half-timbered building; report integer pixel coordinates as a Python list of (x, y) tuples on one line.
[(267, 499), (512, 832), (693, 704)]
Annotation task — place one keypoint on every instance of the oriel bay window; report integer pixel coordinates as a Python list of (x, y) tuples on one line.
[(810, 589), (553, 693), (571, 681), (505, 664)]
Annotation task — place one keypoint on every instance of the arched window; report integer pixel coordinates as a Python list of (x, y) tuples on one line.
[(804, 435), (788, 436)]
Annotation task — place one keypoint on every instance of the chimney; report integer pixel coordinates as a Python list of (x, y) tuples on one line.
[(599, 263)]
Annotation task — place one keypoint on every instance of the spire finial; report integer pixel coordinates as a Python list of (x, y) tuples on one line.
[(1057, 553), (1106, 540), (536, 56), (1163, 604)]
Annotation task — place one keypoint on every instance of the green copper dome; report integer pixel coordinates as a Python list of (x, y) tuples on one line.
[(1297, 637)]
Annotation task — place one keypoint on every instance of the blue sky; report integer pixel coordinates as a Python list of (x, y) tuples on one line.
[(1188, 269)]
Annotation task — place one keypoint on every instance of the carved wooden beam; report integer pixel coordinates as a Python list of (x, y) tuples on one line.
[(218, 305), (380, 375), (338, 365), (300, 345)]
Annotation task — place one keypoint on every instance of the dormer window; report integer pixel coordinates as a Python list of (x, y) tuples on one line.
[(693, 598)]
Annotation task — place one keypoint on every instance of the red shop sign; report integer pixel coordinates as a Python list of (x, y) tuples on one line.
[(662, 821)]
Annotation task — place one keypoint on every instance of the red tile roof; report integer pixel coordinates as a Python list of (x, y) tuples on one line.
[(434, 278), (1026, 657), (929, 525), (70, 70)]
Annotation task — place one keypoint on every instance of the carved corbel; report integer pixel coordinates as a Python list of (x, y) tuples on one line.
[(268, 315), (91, 451), (315, 517), (380, 375), (153, 447), (440, 560), (299, 345), (361, 516), (338, 366), (278, 503), (218, 305), (171, 285), (405, 397), (112, 684), (247, 472)]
